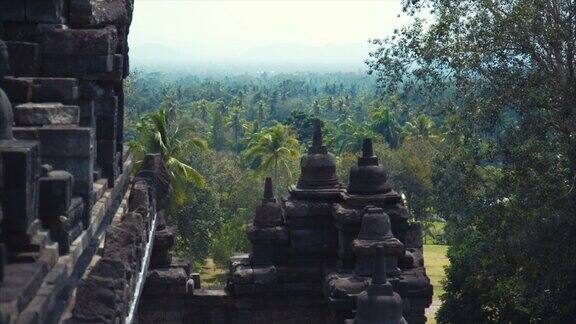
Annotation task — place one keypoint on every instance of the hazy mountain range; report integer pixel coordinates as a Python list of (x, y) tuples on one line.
[(280, 58)]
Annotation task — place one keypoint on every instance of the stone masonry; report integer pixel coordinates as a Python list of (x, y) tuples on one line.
[(73, 232)]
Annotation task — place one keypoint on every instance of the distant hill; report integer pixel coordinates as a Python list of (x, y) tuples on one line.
[(281, 58)]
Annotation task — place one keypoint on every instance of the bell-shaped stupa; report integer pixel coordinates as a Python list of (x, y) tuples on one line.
[(368, 177), (318, 167), (379, 304)]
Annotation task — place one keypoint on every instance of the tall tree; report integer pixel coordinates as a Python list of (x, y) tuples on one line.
[(273, 149), (217, 138), (501, 74), (235, 123), (384, 122), (157, 133)]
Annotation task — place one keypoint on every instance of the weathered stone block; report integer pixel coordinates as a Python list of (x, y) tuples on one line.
[(66, 141), (308, 214), (11, 10), (87, 117), (17, 89), (313, 241), (38, 114), (90, 13), (27, 62), (106, 159), (19, 31), (20, 168), (243, 274), (299, 273), (166, 281), (80, 167), (90, 90), (107, 105), (47, 11), (139, 200), (25, 280), (64, 90), (95, 301), (106, 127), (265, 275), (120, 244), (76, 66), (26, 133), (117, 73), (73, 42), (55, 196)]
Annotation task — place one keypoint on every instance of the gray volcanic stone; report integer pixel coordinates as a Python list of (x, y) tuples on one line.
[(65, 140), (38, 114), (63, 90), (17, 89), (170, 281), (12, 10), (21, 170), (120, 245), (265, 275), (95, 301), (47, 11), (27, 62), (72, 42), (139, 200), (109, 268), (81, 66), (95, 13), (243, 274)]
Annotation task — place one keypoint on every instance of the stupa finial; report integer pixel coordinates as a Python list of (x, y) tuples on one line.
[(367, 149), (268, 189), (317, 136)]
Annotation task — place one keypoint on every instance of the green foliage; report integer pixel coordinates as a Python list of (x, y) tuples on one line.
[(229, 239), (157, 133), (197, 221), (272, 150), (499, 77), (385, 123)]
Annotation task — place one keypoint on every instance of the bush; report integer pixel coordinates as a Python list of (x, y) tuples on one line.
[(231, 238)]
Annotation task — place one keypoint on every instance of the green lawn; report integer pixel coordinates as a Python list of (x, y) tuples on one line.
[(211, 276), (435, 260)]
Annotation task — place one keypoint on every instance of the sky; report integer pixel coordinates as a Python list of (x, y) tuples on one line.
[(261, 32)]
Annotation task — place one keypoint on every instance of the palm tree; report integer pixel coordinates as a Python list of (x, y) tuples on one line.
[(236, 124), (420, 127), (349, 136), (203, 110), (155, 133), (273, 148), (316, 108), (217, 139), (384, 122), (261, 112)]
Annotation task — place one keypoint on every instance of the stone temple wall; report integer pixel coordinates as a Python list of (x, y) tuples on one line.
[(73, 228)]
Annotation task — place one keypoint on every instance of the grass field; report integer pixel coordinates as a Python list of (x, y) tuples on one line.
[(435, 260), (211, 276)]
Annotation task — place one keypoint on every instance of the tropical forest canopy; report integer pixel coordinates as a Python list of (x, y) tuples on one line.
[(472, 108)]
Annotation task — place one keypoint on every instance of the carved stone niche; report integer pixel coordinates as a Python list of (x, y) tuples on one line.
[(20, 173), (59, 211)]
